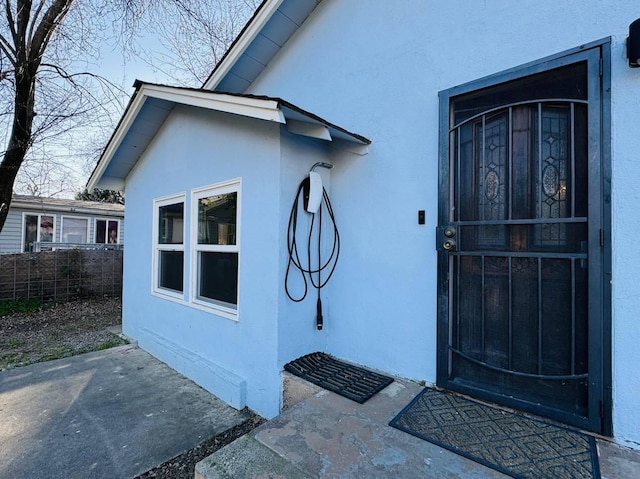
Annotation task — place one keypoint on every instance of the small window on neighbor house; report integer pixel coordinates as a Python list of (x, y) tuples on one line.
[(37, 228), (169, 246), (216, 246), (107, 231), (74, 230)]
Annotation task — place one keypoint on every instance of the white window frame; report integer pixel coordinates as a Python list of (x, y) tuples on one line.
[(39, 215), (75, 218), (106, 234), (220, 308), (156, 289)]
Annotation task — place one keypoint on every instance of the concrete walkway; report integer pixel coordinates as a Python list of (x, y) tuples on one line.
[(110, 414), (328, 436)]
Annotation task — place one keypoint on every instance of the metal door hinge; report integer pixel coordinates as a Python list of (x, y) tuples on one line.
[(601, 238)]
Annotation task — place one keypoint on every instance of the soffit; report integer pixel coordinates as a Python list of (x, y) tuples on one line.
[(151, 105), (273, 24)]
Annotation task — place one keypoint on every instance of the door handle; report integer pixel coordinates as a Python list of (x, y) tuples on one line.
[(449, 245), (445, 238)]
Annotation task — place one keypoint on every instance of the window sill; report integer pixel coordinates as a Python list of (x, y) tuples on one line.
[(171, 295), (214, 308)]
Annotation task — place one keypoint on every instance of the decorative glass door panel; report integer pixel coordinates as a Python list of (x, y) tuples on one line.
[(516, 243)]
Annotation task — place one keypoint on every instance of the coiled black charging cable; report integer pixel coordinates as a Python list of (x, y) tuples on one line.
[(315, 274)]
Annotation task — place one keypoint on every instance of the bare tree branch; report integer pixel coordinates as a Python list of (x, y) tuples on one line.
[(10, 22), (35, 17), (49, 87), (54, 15)]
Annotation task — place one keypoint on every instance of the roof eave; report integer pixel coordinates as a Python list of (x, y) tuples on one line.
[(256, 108), (251, 30), (296, 120), (127, 119), (66, 208)]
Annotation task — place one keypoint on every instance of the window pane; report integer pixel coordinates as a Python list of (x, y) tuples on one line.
[(74, 230), (171, 221), (217, 219), (30, 231), (113, 232), (101, 231), (219, 277), (46, 229), (171, 270)]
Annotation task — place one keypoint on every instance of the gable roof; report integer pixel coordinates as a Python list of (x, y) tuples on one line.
[(272, 25), (151, 104)]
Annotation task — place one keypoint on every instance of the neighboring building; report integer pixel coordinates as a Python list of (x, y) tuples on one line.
[(35, 223), (475, 204)]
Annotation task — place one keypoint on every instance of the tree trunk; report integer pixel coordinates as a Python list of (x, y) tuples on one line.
[(27, 56), (19, 140)]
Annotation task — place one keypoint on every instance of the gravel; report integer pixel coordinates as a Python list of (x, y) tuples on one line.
[(183, 466), (66, 329)]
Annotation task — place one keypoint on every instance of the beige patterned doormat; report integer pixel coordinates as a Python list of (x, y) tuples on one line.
[(507, 442)]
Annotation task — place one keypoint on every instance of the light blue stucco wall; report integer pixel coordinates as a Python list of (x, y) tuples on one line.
[(237, 360), (376, 68), (296, 322)]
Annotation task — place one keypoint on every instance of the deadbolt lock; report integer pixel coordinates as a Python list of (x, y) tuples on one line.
[(449, 245), (450, 232)]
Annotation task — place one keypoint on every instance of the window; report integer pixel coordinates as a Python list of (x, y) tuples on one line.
[(37, 228), (168, 260), (74, 230), (107, 231), (215, 247)]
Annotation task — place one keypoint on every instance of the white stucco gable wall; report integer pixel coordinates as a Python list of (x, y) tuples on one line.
[(376, 67)]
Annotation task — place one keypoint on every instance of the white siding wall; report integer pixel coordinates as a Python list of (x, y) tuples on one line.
[(12, 232)]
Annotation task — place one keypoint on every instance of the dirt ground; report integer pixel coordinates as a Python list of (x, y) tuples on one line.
[(57, 331), (76, 327)]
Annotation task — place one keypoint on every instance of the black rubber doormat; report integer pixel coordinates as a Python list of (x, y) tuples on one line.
[(507, 442), (353, 382)]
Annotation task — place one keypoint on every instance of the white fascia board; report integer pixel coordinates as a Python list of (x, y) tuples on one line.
[(250, 107), (116, 140), (243, 42)]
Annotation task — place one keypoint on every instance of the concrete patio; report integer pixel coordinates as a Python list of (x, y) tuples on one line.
[(327, 436), (120, 412), (110, 414)]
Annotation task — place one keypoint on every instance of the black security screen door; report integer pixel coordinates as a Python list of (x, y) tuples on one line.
[(517, 241)]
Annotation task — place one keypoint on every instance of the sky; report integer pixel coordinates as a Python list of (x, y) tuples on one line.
[(120, 70)]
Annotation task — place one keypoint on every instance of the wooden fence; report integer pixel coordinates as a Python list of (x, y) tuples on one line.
[(61, 274)]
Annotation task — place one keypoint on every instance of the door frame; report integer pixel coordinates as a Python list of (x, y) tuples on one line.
[(600, 201)]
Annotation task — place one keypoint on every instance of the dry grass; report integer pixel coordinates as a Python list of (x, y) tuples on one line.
[(32, 332)]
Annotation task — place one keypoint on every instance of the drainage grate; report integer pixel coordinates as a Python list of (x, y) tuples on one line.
[(352, 382)]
